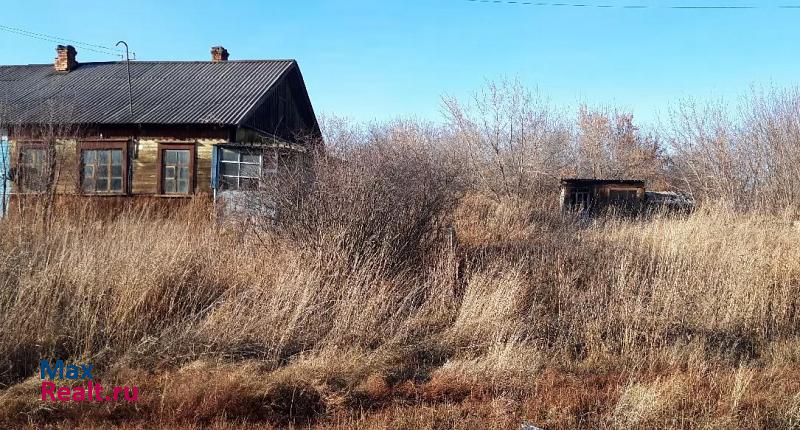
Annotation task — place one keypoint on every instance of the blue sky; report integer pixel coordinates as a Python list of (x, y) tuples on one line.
[(375, 60)]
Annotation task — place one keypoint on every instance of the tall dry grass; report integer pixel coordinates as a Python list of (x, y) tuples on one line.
[(624, 323)]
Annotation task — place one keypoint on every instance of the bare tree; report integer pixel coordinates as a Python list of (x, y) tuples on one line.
[(609, 145), (747, 155), (40, 157), (512, 139)]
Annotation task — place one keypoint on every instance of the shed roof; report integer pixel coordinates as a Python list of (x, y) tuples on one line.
[(164, 92), (590, 182)]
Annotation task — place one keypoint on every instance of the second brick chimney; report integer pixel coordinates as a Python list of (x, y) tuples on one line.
[(218, 54), (65, 58)]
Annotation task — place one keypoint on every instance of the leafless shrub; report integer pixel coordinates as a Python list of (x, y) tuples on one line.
[(609, 145), (512, 139), (386, 191), (746, 155), (40, 159), (517, 144)]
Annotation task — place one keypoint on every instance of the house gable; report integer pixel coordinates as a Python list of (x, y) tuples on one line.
[(285, 111)]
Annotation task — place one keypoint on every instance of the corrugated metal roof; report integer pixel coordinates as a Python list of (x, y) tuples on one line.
[(164, 92)]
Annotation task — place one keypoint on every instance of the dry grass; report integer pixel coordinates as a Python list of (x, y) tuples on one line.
[(659, 323)]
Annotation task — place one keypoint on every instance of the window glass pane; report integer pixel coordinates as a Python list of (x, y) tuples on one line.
[(89, 156), (251, 158), (250, 170), (33, 155), (116, 184), (33, 176), (116, 171), (229, 155), (102, 156), (116, 157), (171, 156), (88, 171), (230, 169), (183, 156), (169, 172), (228, 183), (175, 171), (102, 184), (88, 184), (102, 171)]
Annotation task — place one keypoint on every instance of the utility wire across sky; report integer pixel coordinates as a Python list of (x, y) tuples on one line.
[(631, 6), (100, 49)]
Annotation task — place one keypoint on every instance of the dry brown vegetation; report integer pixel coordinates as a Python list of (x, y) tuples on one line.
[(356, 311)]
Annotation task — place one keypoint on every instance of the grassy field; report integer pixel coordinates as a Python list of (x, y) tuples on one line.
[(622, 323), (360, 309)]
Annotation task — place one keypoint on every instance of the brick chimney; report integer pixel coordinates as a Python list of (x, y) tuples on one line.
[(218, 54), (65, 60)]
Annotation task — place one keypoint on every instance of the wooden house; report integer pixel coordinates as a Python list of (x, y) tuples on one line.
[(171, 129)]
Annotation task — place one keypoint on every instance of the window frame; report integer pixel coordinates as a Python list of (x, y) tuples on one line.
[(623, 195), (263, 171), (22, 146), (163, 146), (108, 145)]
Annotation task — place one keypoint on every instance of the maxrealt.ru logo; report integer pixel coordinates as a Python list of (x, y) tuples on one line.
[(72, 373)]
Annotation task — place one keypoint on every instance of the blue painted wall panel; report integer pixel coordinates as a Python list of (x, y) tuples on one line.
[(5, 176)]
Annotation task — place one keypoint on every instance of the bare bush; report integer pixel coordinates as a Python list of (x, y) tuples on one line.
[(609, 145), (517, 144), (386, 191), (746, 155), (514, 141)]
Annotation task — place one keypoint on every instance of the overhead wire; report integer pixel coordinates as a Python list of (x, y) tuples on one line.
[(100, 49), (633, 6)]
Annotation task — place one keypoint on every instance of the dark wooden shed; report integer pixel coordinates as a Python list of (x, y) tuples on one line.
[(582, 195)]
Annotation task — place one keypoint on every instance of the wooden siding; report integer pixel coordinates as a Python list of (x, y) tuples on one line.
[(67, 169), (286, 113), (66, 173), (144, 165)]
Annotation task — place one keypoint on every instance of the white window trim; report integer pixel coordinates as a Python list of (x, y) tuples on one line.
[(262, 171)]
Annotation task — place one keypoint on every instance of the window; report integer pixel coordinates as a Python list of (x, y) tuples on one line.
[(176, 171), (33, 168), (241, 169), (102, 171), (581, 200), (622, 195), (103, 167)]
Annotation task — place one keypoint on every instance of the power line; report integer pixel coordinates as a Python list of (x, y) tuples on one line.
[(630, 6), (77, 42), (60, 40)]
